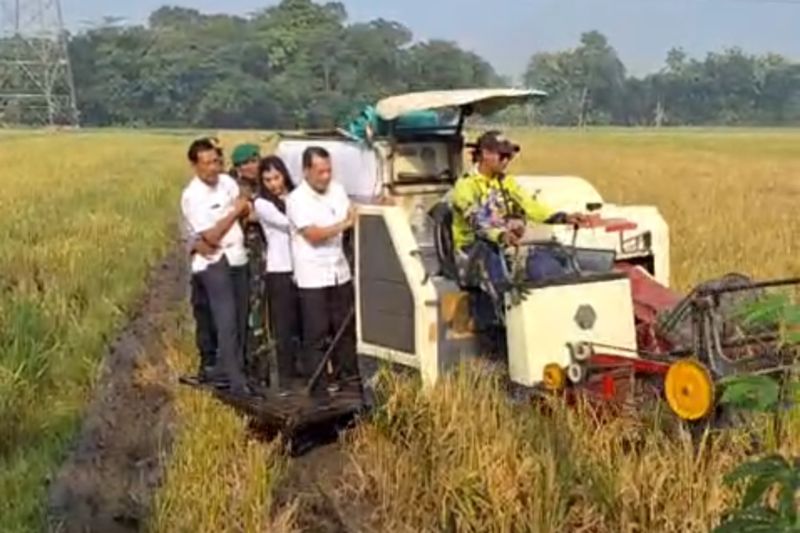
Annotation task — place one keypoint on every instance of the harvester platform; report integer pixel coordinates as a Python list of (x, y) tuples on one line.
[(301, 419)]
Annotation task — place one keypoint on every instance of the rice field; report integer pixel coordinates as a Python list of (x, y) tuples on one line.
[(84, 215), (219, 478)]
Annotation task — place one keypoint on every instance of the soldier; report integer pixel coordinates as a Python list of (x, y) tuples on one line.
[(246, 159)]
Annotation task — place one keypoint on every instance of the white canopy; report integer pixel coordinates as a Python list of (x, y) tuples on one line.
[(484, 101)]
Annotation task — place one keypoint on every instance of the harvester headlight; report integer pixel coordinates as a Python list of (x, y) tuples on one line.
[(582, 351), (576, 373), (689, 389), (640, 243)]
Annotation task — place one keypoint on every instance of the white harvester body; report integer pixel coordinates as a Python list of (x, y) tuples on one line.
[(410, 314)]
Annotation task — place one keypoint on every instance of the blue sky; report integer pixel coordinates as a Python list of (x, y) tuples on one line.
[(507, 32)]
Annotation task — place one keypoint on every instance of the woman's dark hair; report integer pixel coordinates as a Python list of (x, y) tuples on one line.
[(274, 162)]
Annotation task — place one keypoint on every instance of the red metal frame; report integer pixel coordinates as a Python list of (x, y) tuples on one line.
[(611, 225), (638, 365), (611, 376)]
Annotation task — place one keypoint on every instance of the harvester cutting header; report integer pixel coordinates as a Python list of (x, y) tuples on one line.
[(567, 292)]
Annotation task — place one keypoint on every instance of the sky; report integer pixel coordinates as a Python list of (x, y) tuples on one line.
[(508, 32)]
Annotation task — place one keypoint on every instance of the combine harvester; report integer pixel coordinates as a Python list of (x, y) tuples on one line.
[(612, 332)]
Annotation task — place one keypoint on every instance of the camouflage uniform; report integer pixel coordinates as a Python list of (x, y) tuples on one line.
[(258, 343)]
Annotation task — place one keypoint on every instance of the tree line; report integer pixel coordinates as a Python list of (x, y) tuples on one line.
[(589, 85), (297, 64), (302, 64)]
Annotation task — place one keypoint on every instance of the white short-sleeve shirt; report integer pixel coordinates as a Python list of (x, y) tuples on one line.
[(203, 206), (323, 264), (277, 231)]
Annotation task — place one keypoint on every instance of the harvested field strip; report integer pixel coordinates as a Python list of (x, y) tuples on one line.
[(218, 477), (108, 481), (82, 219)]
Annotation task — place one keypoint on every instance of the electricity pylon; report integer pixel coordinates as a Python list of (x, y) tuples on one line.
[(36, 83)]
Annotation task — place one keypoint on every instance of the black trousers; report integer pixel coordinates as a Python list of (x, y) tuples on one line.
[(284, 306), (205, 332), (226, 289), (240, 277), (322, 312)]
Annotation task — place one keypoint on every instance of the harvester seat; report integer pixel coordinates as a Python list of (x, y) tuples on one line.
[(459, 269), (442, 216)]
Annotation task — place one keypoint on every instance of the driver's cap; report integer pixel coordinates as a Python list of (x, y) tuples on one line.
[(495, 141)]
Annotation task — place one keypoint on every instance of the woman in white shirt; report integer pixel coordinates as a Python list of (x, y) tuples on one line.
[(274, 186)]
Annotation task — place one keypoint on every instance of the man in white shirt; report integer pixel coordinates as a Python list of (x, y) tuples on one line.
[(205, 333), (211, 206), (320, 213)]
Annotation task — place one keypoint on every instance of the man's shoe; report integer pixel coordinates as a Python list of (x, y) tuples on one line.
[(241, 389), (220, 384), (205, 375)]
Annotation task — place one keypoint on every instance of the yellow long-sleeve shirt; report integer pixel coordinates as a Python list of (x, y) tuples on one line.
[(481, 206)]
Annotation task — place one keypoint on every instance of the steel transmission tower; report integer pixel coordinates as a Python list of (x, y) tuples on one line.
[(36, 84)]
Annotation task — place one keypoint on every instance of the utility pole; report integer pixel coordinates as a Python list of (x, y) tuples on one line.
[(582, 113), (36, 83), (661, 114)]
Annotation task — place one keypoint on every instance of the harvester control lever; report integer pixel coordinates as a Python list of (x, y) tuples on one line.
[(327, 357), (428, 275)]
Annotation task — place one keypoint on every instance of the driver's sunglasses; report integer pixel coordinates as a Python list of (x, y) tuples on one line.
[(506, 157)]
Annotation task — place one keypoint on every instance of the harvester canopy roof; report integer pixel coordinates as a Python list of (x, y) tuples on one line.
[(483, 101)]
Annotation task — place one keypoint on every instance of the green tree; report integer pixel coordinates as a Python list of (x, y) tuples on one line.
[(587, 83)]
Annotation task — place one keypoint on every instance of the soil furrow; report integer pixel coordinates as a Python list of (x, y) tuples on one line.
[(108, 480)]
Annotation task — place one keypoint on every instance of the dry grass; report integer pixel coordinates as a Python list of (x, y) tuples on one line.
[(462, 458)]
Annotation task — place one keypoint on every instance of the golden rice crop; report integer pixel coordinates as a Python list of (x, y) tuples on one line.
[(82, 217), (219, 477), (462, 458)]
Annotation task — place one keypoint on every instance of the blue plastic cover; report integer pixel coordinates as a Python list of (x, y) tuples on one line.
[(369, 117)]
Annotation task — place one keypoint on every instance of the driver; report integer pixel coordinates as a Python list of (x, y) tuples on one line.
[(491, 211)]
